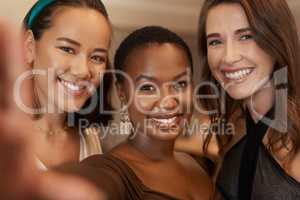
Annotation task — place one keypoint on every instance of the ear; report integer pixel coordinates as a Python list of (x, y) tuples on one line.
[(29, 46)]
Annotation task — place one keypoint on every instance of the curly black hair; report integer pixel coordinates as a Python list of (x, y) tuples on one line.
[(145, 36)]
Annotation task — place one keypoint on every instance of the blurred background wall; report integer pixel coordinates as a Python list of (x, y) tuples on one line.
[(180, 16)]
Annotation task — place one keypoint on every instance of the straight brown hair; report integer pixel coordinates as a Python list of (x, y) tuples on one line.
[(276, 33)]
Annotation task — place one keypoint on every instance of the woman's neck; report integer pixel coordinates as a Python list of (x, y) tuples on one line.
[(151, 148), (52, 123), (261, 102), (55, 143)]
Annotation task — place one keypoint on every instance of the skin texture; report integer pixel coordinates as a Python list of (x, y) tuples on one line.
[(231, 47), (73, 49), (162, 86), (228, 50), (150, 153)]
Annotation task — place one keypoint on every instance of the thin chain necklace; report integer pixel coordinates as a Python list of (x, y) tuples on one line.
[(52, 132)]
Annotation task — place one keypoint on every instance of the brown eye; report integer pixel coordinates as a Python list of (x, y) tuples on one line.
[(180, 85), (68, 50), (246, 37), (147, 88), (214, 43), (98, 59)]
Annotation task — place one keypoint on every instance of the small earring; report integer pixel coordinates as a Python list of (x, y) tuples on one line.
[(125, 123)]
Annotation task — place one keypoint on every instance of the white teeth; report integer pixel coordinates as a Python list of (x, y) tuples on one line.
[(165, 121), (71, 86), (238, 74)]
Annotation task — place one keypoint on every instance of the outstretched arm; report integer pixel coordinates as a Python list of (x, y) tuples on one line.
[(20, 178)]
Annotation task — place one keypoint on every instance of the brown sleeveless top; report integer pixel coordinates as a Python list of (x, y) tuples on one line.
[(116, 178)]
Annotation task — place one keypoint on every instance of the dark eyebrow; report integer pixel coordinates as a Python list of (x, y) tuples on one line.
[(143, 76), (101, 50), (239, 31), (180, 75), (68, 40), (211, 35), (242, 30)]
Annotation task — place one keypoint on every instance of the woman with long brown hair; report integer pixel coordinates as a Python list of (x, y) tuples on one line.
[(250, 49)]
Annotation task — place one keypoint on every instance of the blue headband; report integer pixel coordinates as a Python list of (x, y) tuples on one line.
[(37, 9)]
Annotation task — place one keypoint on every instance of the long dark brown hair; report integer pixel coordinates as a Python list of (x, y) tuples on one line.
[(275, 32), (42, 22)]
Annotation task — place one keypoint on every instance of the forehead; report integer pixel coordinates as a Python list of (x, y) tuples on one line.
[(160, 61), (82, 24), (226, 17)]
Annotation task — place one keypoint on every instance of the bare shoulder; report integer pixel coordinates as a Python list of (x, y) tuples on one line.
[(201, 182), (193, 167), (189, 162), (192, 143)]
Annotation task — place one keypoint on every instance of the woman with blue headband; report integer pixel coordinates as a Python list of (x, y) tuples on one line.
[(66, 46)]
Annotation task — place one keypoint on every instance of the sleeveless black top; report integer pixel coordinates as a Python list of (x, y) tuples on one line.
[(249, 171)]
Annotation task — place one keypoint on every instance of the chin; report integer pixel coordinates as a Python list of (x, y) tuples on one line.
[(71, 110), (164, 135), (239, 95), (72, 107)]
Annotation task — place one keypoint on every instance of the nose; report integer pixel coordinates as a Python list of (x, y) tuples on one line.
[(232, 53), (169, 101), (80, 67)]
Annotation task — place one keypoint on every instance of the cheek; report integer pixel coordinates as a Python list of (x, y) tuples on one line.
[(186, 99), (98, 74), (267, 62), (144, 103), (52, 63), (43, 56), (41, 81), (261, 59), (99, 70), (213, 59)]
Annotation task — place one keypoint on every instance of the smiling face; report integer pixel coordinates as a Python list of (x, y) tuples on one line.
[(72, 53), (162, 90), (234, 58)]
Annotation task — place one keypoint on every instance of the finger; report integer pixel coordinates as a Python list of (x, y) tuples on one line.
[(17, 169), (3, 72), (12, 69)]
